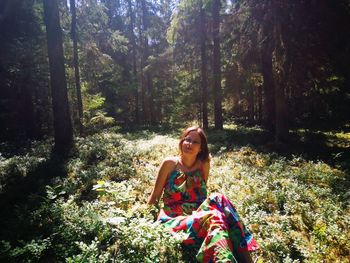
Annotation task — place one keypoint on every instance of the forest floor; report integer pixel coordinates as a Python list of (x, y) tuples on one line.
[(90, 207)]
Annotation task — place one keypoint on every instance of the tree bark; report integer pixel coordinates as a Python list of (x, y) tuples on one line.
[(217, 66), (28, 114), (204, 74), (134, 66), (268, 86), (259, 104), (251, 104), (281, 81), (151, 99), (76, 65), (146, 80), (141, 85), (62, 121), (27, 105)]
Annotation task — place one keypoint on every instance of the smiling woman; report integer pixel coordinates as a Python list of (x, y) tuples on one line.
[(211, 224)]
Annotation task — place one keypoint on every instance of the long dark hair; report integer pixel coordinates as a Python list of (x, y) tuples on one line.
[(203, 155)]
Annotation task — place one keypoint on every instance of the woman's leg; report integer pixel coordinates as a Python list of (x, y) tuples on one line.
[(242, 240)]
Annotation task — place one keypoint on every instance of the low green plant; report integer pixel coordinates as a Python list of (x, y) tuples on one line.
[(298, 210)]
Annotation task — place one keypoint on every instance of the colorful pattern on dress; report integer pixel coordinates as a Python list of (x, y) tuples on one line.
[(211, 225)]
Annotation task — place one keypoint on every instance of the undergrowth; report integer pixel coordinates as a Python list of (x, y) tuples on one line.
[(298, 210)]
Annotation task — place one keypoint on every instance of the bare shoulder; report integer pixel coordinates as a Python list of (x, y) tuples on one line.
[(170, 162), (206, 164)]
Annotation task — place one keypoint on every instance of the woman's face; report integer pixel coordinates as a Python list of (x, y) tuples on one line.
[(191, 143)]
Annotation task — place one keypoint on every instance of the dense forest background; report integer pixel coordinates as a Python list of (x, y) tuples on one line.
[(94, 93), (280, 64)]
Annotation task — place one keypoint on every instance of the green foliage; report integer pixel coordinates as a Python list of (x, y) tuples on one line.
[(94, 117), (290, 205), (69, 225), (93, 102), (100, 156), (31, 251), (118, 42), (118, 193), (18, 167), (142, 240), (89, 253), (141, 64), (99, 121), (298, 210)]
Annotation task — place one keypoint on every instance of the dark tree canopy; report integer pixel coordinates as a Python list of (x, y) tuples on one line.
[(279, 64)]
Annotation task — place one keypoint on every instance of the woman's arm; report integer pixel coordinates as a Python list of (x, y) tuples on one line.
[(165, 168), (206, 168)]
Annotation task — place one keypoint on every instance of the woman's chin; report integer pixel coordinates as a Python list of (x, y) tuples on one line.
[(189, 152)]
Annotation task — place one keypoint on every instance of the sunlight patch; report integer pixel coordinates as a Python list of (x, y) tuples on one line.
[(144, 145)]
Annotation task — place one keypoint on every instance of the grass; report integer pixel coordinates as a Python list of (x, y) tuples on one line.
[(91, 207)]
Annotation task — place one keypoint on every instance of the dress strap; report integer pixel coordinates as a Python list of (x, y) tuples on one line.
[(177, 161)]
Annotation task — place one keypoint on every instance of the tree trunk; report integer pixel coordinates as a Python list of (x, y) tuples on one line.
[(151, 99), (232, 84), (76, 65), (61, 115), (141, 85), (281, 131), (268, 86), (217, 66), (204, 74), (134, 67), (146, 81), (27, 105), (28, 99), (259, 105), (251, 104)]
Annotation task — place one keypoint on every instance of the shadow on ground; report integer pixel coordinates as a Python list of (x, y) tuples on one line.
[(310, 145), (23, 194)]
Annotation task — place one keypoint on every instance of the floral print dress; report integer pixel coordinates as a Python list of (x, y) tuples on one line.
[(211, 225)]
